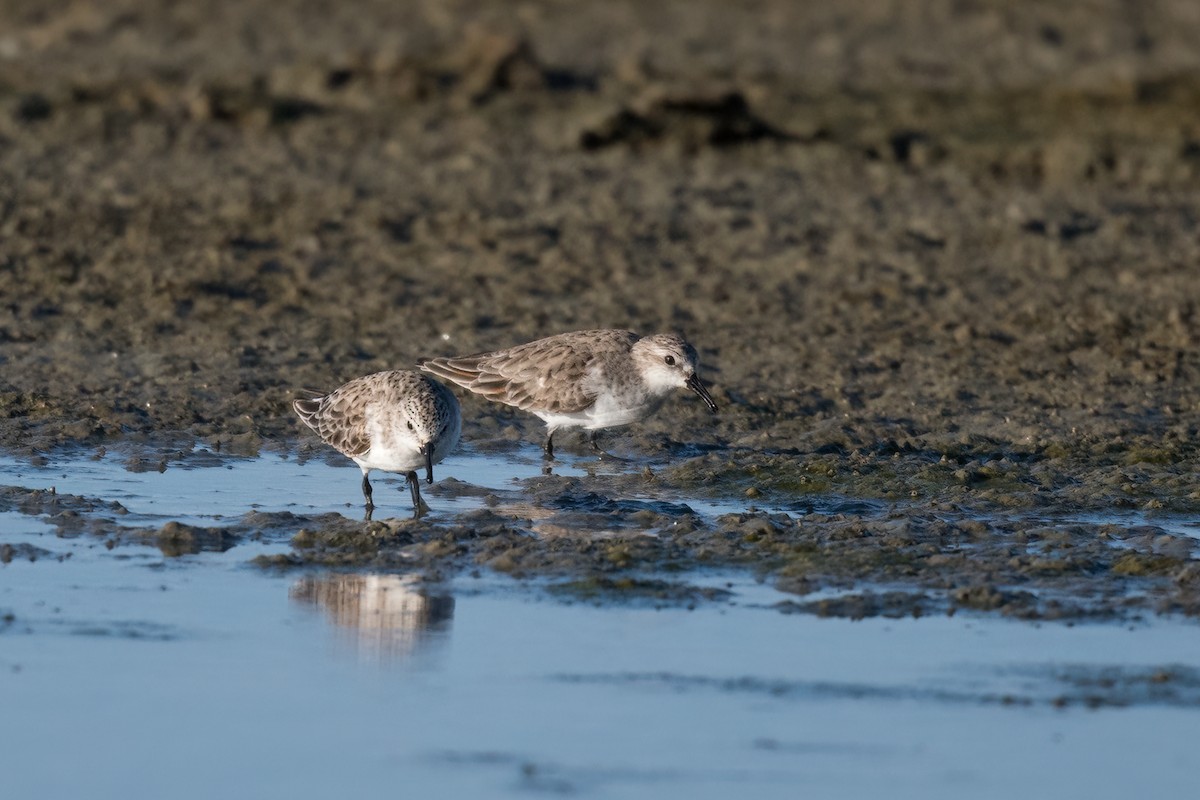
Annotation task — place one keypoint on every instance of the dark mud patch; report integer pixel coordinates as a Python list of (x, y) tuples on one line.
[(688, 122), (1046, 479), (49, 503), (22, 551), (605, 590), (176, 539), (127, 629), (71, 515), (860, 605), (543, 777), (931, 561), (1015, 567), (1084, 686), (815, 690), (1120, 687)]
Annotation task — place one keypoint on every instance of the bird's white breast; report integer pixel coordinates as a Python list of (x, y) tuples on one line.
[(615, 405), (391, 450)]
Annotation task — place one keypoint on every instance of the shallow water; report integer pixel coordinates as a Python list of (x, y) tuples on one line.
[(122, 670)]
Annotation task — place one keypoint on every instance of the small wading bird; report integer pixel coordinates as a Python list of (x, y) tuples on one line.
[(396, 421), (585, 379)]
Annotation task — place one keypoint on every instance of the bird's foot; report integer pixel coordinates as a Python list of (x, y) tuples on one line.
[(601, 453)]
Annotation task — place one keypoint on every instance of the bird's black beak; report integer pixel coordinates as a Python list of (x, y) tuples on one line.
[(427, 451), (694, 383)]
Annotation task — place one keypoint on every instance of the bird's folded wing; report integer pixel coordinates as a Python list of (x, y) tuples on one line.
[(542, 376), (342, 423)]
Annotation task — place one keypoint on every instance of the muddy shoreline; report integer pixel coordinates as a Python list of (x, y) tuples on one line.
[(638, 537), (955, 277)]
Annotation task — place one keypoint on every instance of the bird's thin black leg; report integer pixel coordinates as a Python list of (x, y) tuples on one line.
[(548, 447), (414, 486), (366, 487)]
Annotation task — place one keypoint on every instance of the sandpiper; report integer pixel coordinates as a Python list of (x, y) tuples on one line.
[(584, 379), (395, 421)]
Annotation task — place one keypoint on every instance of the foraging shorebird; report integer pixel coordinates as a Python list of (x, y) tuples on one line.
[(584, 379), (397, 421)]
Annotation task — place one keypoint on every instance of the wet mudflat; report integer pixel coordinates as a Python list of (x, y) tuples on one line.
[(938, 260), (617, 530), (193, 670)]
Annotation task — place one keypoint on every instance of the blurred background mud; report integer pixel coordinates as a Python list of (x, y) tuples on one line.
[(929, 228)]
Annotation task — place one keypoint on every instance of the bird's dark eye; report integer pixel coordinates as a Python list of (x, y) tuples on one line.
[(410, 426), (670, 361)]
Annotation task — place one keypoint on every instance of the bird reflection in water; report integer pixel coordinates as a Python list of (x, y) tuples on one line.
[(387, 617)]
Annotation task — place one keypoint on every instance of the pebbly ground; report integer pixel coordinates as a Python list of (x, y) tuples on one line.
[(938, 256)]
